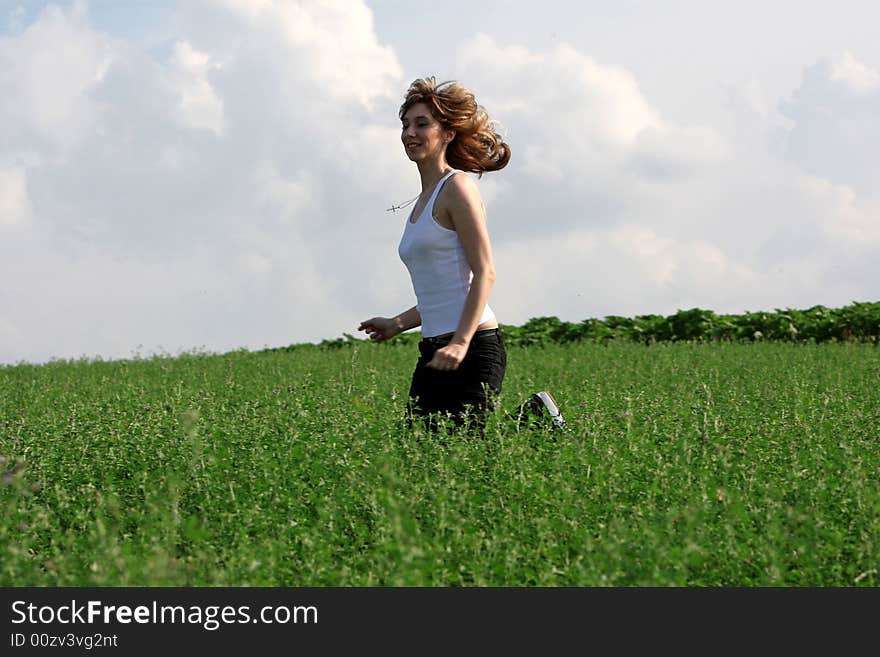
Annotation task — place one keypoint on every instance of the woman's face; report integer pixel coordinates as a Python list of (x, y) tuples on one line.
[(422, 135)]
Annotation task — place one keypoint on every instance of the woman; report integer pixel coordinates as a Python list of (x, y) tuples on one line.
[(445, 246)]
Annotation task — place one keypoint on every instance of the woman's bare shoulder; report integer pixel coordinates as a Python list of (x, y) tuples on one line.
[(459, 200), (461, 188)]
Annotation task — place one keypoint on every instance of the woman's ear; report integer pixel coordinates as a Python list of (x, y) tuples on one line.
[(449, 136)]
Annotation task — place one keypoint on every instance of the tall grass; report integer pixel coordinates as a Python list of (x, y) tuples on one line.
[(690, 465)]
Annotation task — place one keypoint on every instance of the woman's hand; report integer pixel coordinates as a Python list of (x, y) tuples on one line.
[(380, 328), (448, 357)]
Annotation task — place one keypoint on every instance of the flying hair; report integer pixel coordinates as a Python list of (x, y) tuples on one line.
[(477, 146)]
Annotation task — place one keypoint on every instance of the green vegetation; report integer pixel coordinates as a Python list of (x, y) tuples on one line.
[(699, 464), (857, 322)]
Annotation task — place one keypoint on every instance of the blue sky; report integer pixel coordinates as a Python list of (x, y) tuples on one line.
[(211, 175)]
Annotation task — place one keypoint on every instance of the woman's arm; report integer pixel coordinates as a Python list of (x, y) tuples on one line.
[(468, 216), (384, 328), (408, 319)]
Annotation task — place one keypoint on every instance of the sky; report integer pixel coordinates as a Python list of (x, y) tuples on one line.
[(207, 176)]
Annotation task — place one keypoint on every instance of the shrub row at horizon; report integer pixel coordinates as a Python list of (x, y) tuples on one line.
[(857, 322)]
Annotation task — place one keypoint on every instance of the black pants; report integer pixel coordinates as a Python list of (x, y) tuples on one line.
[(464, 396)]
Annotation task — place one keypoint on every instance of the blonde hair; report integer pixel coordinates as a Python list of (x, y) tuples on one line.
[(477, 146)]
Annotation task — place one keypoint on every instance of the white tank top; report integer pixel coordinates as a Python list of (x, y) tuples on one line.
[(439, 269)]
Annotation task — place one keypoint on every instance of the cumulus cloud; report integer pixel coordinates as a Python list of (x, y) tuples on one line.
[(46, 75), (581, 132), (216, 193), (15, 207), (622, 210), (198, 105), (584, 112), (675, 152), (336, 48), (836, 134), (599, 185), (614, 271)]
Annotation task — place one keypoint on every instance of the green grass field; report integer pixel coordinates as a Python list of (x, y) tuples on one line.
[(694, 465)]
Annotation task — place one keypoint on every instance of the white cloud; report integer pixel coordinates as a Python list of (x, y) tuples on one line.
[(217, 195), (582, 134), (846, 73), (626, 270), (333, 42), (46, 75), (836, 134), (187, 78), (248, 8), (845, 218), (675, 153), (15, 208), (676, 215), (582, 109)]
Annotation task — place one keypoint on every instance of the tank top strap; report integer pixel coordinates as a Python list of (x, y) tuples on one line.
[(439, 186)]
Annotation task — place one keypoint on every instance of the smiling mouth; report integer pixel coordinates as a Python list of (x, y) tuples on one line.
[(411, 145)]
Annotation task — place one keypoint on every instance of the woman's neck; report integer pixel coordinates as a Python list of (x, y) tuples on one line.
[(431, 172)]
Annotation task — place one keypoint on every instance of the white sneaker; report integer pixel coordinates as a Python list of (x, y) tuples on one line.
[(542, 406)]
